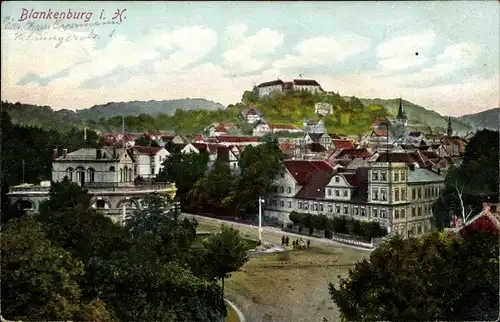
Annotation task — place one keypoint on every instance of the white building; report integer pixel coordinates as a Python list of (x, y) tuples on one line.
[(108, 174), (279, 86), (323, 108), (149, 160)]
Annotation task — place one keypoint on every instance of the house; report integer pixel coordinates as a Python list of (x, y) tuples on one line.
[(250, 115), (260, 128), (395, 195), (227, 140), (381, 124), (309, 85), (314, 126), (149, 160), (415, 136), (342, 144), (229, 155), (216, 129), (323, 108), (109, 175), (267, 88), (280, 127), (487, 220)]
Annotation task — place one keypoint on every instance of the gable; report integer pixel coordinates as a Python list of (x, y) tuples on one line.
[(342, 182)]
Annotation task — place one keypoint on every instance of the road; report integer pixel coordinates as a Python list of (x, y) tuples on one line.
[(278, 231)]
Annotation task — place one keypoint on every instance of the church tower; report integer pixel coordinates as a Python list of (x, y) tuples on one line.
[(401, 118), (449, 131)]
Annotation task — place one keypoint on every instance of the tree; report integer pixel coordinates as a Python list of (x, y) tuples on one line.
[(441, 276), (225, 252), (142, 140), (39, 278)]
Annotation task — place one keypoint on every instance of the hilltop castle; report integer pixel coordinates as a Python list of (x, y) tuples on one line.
[(279, 86)]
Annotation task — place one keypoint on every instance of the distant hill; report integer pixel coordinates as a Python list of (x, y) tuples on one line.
[(45, 117), (488, 119), (420, 116)]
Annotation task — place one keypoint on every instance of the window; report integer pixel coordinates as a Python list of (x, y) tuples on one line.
[(289, 189), (413, 194), (419, 211), (112, 169), (130, 175), (402, 213), (396, 214), (69, 174), (419, 193), (289, 204), (306, 206), (403, 175), (346, 210), (363, 212), (337, 208), (419, 229), (337, 179), (282, 203), (282, 189), (375, 212), (337, 193), (330, 208), (384, 194), (396, 194), (152, 170), (383, 176), (356, 211), (100, 204), (315, 206), (375, 194), (329, 191), (320, 207), (300, 204), (413, 211), (396, 176), (383, 213), (345, 193), (121, 175), (403, 194), (91, 173), (375, 175), (125, 174)]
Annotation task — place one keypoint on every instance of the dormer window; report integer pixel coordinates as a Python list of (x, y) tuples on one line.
[(337, 179)]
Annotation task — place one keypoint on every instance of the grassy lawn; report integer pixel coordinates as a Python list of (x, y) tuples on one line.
[(201, 236), (288, 286)]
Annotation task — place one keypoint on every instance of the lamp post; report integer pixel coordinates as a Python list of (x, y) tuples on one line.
[(261, 201)]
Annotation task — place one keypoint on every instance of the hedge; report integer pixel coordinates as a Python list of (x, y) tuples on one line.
[(340, 225)]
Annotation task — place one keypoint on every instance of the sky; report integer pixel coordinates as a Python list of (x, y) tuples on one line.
[(440, 55)]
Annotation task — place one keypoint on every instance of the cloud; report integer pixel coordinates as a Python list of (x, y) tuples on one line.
[(249, 54), (323, 51), (400, 53), (192, 44)]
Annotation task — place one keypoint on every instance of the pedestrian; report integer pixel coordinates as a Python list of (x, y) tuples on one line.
[(283, 240), (294, 244), (308, 243), (287, 240)]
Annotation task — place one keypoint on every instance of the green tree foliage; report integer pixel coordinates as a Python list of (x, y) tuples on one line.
[(209, 194), (40, 279), (224, 252), (184, 169), (473, 182), (441, 276)]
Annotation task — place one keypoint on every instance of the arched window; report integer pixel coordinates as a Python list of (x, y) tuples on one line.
[(25, 205), (80, 175), (125, 174), (91, 174), (130, 176), (69, 173), (121, 175), (101, 204), (112, 169)]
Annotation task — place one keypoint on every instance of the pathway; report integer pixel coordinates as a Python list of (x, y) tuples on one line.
[(279, 231)]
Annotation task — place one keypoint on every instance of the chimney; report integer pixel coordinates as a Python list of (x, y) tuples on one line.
[(65, 153), (54, 154), (98, 154)]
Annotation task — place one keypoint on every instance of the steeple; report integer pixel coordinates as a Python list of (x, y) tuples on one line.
[(401, 117), (449, 131)]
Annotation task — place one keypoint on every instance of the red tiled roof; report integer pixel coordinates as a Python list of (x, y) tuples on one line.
[(167, 137), (283, 126), (314, 187), (343, 144), (234, 139), (198, 137), (220, 128), (149, 150), (353, 153), (380, 132), (299, 169), (287, 146), (200, 146), (485, 221)]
